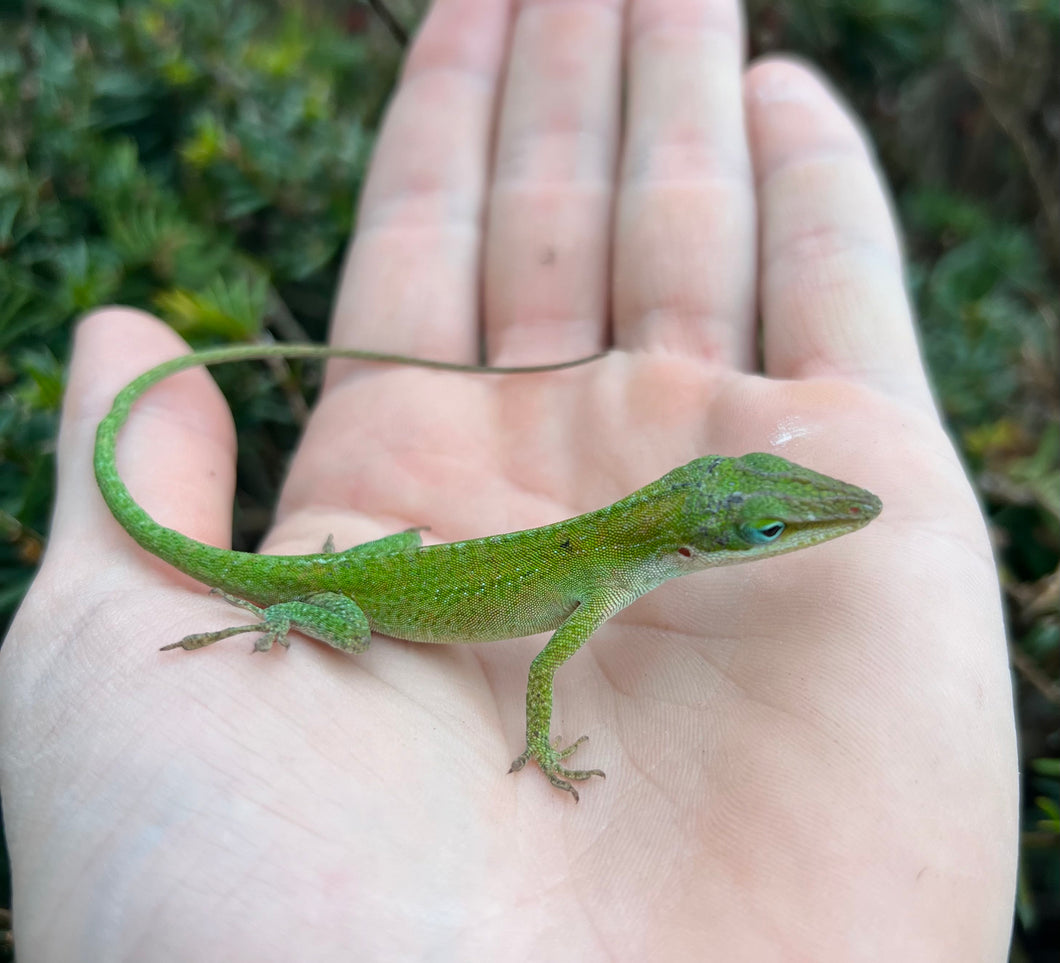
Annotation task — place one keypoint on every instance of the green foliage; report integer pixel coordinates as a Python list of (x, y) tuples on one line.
[(231, 309), (197, 160)]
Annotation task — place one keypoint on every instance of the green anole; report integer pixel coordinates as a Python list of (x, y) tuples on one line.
[(567, 578)]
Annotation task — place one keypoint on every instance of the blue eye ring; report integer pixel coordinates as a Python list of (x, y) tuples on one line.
[(765, 531)]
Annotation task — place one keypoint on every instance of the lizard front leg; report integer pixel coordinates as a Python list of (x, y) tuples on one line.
[(565, 641)]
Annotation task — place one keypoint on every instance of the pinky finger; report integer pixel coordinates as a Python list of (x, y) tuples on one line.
[(833, 295)]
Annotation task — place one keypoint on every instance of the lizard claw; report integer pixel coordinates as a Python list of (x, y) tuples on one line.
[(548, 759)]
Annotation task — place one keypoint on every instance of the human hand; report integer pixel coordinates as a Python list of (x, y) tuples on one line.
[(808, 758)]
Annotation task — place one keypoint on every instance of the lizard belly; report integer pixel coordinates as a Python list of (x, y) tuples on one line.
[(467, 614), (431, 597)]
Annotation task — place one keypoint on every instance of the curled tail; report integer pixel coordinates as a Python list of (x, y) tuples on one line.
[(220, 568)]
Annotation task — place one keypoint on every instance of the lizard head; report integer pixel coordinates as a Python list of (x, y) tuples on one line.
[(740, 509)]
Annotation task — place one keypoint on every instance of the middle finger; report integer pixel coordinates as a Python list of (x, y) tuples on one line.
[(547, 241)]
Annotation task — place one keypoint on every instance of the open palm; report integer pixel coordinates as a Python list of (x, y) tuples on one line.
[(810, 758)]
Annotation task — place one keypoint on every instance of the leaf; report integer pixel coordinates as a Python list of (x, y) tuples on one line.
[(231, 309)]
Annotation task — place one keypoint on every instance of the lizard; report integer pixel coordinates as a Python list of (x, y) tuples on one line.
[(567, 578)]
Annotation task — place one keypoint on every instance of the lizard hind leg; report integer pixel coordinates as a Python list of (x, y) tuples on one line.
[(329, 617), (406, 540)]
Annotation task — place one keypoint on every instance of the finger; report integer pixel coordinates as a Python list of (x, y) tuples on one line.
[(832, 293), (684, 253), (411, 281), (548, 247), (176, 453)]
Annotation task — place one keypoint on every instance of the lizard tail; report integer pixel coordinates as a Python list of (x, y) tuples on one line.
[(214, 566)]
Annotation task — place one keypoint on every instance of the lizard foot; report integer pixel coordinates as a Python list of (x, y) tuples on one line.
[(548, 759), (326, 616), (272, 629)]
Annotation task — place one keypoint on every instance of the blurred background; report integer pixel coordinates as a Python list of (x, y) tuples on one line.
[(202, 161)]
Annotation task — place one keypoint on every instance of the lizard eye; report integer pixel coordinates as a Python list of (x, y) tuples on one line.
[(765, 531)]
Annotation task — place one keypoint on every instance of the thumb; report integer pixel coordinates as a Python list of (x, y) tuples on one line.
[(176, 453)]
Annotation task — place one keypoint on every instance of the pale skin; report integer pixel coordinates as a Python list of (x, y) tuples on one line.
[(811, 757)]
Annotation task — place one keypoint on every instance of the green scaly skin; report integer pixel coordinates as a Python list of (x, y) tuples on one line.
[(567, 578)]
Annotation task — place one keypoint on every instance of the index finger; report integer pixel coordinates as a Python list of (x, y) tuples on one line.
[(410, 284)]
